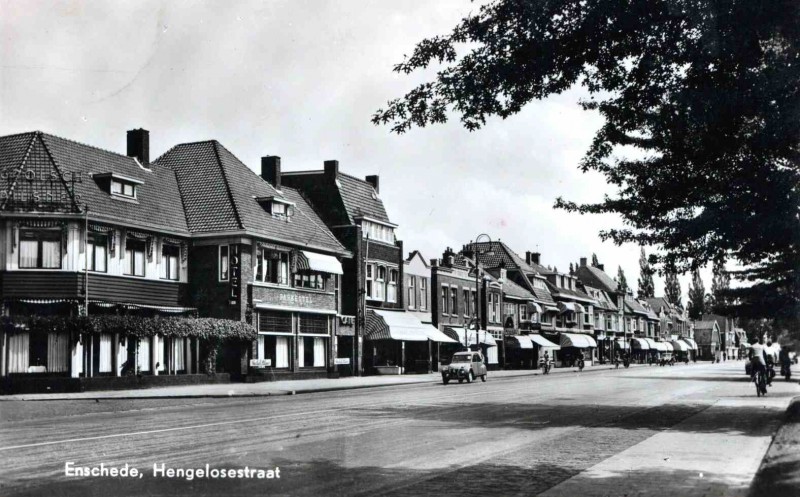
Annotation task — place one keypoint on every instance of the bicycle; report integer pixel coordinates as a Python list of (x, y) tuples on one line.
[(545, 366), (580, 364), (761, 382)]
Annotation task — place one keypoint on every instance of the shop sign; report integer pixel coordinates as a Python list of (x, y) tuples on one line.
[(260, 363), (341, 361)]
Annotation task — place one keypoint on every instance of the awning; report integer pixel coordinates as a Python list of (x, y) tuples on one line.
[(543, 342), (577, 340), (640, 343), (579, 308), (533, 307), (691, 342), (668, 347), (622, 344), (389, 325), (661, 347), (680, 346), (323, 263), (458, 334), (550, 308), (519, 341), (567, 307)]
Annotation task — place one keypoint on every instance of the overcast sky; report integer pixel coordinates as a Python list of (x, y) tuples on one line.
[(301, 79)]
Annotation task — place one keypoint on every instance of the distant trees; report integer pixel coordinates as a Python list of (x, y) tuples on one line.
[(647, 287), (622, 282), (672, 288), (697, 296)]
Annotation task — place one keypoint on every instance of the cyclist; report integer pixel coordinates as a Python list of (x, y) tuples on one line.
[(758, 358)]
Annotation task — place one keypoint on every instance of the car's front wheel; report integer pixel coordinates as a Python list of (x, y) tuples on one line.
[(470, 377)]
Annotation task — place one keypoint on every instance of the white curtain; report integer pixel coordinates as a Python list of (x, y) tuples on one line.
[(57, 352), (491, 355), (179, 353), (100, 257), (106, 365), (138, 263), (160, 352), (144, 354), (51, 254), (282, 352), (122, 353), (260, 347), (319, 352), (301, 352), (18, 350), (28, 253)]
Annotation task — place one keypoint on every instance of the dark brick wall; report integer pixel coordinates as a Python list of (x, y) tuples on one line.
[(209, 295), (323, 196)]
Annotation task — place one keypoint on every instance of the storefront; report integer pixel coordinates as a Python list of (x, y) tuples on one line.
[(398, 343), (574, 345), (468, 339), (525, 351)]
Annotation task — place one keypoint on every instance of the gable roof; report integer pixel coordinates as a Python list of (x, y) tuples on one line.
[(633, 305), (601, 298), (706, 332), (497, 254), (220, 194), (590, 275), (360, 199), (157, 205), (513, 290), (568, 293)]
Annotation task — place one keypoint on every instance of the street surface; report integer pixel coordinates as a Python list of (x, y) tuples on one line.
[(676, 431)]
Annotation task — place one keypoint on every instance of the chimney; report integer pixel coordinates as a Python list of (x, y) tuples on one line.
[(331, 169), (503, 274), (601, 267), (532, 257), (434, 263), (583, 261), (271, 170), (374, 180), (139, 145)]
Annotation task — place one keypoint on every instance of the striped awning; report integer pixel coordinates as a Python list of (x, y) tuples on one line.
[(394, 325), (533, 307), (577, 340), (623, 344), (692, 344), (640, 343), (567, 307), (44, 301), (519, 342), (680, 346), (467, 337), (543, 342), (318, 262), (160, 308)]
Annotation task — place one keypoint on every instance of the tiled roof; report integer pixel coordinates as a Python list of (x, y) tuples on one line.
[(634, 306), (220, 194), (595, 277), (543, 296), (704, 325), (601, 299), (157, 205), (501, 256), (511, 289), (360, 199), (567, 293)]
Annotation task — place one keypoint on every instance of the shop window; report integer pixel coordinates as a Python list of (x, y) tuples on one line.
[(311, 352), (311, 280), (272, 266), (412, 292), (169, 262), (97, 246), (275, 348), (40, 249), (276, 322), (134, 257), (316, 324), (224, 259), (423, 293)]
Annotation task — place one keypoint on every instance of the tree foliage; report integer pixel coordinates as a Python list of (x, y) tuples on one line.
[(706, 90), (672, 288), (622, 282), (720, 288), (595, 262), (647, 287), (697, 296)]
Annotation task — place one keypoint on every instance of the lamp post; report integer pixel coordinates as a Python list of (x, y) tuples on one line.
[(476, 304)]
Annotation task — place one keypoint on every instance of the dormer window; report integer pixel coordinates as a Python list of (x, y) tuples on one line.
[(279, 207), (377, 231), (118, 185)]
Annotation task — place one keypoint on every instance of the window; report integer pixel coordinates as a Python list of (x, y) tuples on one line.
[(412, 292), (474, 301), (134, 258), (311, 352), (123, 188), (587, 316), (309, 279), (547, 318), (496, 308), (370, 281), (423, 293), (509, 309), (454, 301), (466, 302), (276, 349), (97, 247), (169, 262), (40, 249), (444, 300), (523, 313), (278, 209), (380, 282), (377, 232), (272, 266), (391, 286), (224, 252)]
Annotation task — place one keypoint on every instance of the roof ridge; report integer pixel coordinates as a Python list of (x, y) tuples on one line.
[(354, 177), (231, 197)]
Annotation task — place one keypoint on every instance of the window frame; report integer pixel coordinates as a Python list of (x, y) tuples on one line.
[(227, 264), (454, 301), (93, 241), (445, 296), (412, 292), (166, 265), (423, 294), (42, 235), (391, 284), (129, 269)]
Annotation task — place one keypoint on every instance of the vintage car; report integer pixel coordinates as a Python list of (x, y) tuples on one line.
[(465, 365)]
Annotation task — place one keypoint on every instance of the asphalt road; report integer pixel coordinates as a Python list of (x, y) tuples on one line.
[(682, 430)]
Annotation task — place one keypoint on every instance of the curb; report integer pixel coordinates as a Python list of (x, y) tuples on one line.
[(279, 393), (779, 470)]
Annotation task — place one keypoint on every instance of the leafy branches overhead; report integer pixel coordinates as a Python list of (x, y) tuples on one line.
[(707, 91)]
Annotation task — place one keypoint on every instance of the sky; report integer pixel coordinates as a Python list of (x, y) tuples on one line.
[(300, 79)]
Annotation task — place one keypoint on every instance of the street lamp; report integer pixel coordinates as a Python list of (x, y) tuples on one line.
[(476, 304)]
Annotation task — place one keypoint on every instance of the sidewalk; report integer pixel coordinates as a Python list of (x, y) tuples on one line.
[(779, 474), (285, 387)]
